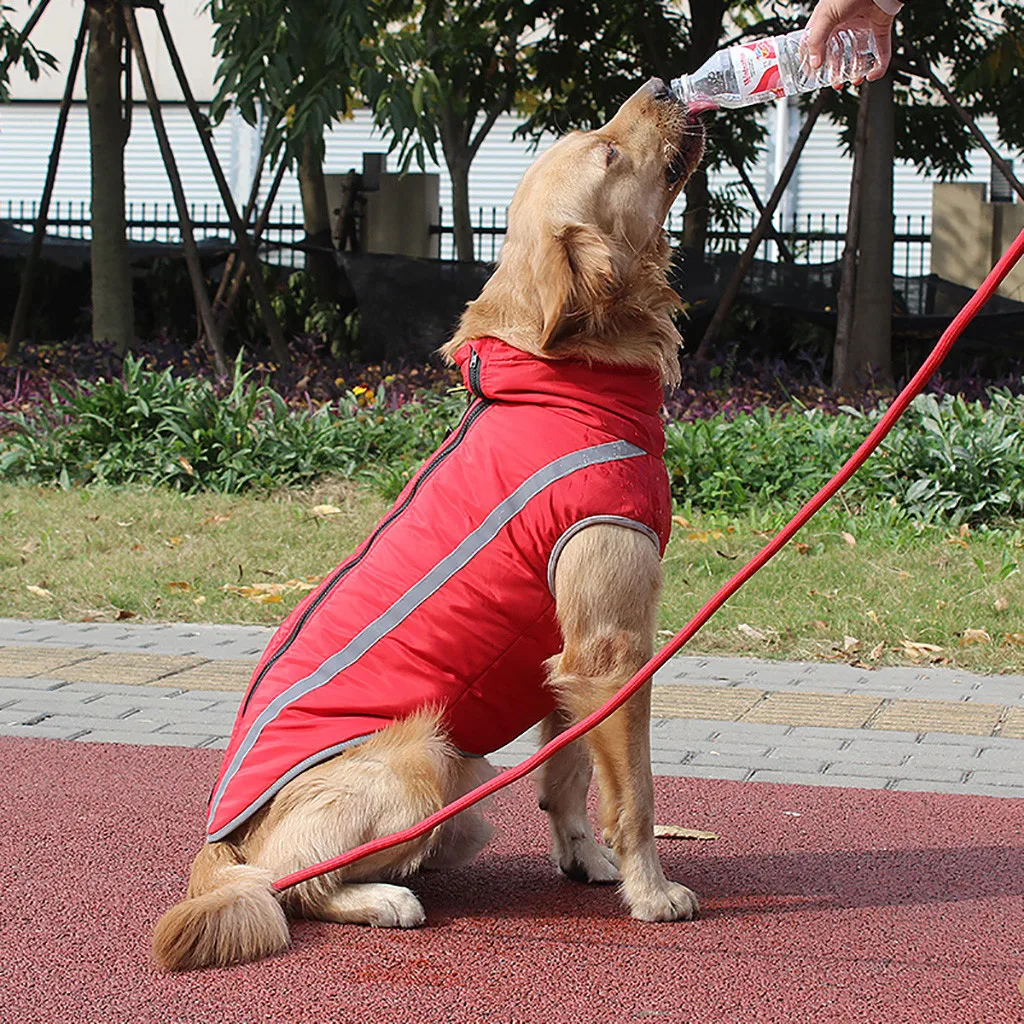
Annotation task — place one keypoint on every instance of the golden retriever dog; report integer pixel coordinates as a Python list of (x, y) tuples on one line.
[(581, 276)]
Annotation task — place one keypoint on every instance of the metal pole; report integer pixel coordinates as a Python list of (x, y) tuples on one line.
[(245, 247), (32, 263), (195, 269), (14, 54), (732, 289)]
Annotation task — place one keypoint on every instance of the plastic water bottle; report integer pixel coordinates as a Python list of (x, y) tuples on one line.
[(768, 69)]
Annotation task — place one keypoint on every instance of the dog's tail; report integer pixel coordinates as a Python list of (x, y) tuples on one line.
[(232, 915)]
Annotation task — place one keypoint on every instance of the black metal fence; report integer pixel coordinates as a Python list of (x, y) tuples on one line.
[(811, 238), (158, 222)]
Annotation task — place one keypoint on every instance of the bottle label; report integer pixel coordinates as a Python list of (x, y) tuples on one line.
[(757, 69)]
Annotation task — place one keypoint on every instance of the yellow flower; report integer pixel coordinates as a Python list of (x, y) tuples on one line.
[(359, 389)]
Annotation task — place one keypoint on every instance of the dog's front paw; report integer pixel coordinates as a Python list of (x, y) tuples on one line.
[(394, 906), (673, 903), (585, 860)]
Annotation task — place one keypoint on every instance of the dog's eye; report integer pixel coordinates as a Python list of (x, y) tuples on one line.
[(610, 154)]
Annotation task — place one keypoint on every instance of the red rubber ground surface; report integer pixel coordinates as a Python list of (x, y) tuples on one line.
[(868, 906)]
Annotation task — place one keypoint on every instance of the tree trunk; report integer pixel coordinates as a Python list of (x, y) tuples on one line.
[(848, 274), (870, 349), (112, 310), (328, 277), (461, 216), (695, 219), (706, 20)]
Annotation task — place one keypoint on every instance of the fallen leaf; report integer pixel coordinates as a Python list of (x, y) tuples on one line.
[(1001, 604), (849, 538), (93, 617), (749, 631), (850, 642), (173, 542), (186, 465), (976, 636), (955, 541), (680, 521), (703, 536), (123, 613), (214, 520), (877, 652), (818, 624), (201, 599), (136, 548), (678, 832), (916, 650), (873, 616), (303, 586), (130, 522), (965, 530), (1014, 638), (322, 511), (802, 549), (271, 593), (38, 591), (179, 585)]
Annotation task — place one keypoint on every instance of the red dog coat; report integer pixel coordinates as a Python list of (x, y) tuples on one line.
[(449, 602)]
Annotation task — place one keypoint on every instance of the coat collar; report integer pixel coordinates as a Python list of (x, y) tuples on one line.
[(622, 400)]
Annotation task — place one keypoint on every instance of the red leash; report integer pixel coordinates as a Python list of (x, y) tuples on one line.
[(888, 421)]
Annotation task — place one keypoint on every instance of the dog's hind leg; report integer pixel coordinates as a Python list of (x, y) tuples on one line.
[(394, 779), (373, 903), (562, 785), (607, 584), (458, 841)]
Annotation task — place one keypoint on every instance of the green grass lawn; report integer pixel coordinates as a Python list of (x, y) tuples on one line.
[(868, 596)]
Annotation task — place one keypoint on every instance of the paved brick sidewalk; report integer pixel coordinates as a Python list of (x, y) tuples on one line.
[(728, 718)]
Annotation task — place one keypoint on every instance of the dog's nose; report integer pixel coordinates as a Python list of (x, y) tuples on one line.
[(659, 90)]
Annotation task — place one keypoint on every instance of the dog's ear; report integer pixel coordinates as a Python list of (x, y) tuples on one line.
[(575, 278)]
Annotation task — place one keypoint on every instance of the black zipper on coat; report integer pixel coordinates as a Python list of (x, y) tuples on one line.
[(474, 374), (472, 415)]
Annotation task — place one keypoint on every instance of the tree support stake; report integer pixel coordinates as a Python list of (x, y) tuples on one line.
[(195, 269), (245, 246)]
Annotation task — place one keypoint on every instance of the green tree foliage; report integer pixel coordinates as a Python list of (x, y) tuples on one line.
[(443, 73), (447, 70), (976, 48), (594, 55), (30, 57), (295, 63)]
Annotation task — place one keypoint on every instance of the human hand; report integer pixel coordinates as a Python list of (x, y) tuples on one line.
[(830, 16)]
